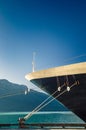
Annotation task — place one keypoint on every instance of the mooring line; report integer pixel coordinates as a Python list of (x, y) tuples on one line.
[(28, 116), (42, 103)]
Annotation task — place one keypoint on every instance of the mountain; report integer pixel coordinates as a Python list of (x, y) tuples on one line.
[(14, 97)]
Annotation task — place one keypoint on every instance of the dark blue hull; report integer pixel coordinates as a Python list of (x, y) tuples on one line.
[(72, 91)]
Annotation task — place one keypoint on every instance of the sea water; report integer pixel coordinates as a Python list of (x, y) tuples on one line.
[(40, 117)]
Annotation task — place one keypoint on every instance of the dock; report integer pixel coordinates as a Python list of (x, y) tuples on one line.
[(44, 126)]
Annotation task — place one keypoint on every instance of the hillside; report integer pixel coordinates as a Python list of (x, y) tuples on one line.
[(13, 98)]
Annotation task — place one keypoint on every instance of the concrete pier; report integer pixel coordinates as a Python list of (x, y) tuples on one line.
[(45, 126)]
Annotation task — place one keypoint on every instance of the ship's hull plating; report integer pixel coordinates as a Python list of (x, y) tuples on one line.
[(75, 99), (72, 82)]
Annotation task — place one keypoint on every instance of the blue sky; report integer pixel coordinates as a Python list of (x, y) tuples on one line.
[(54, 29)]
